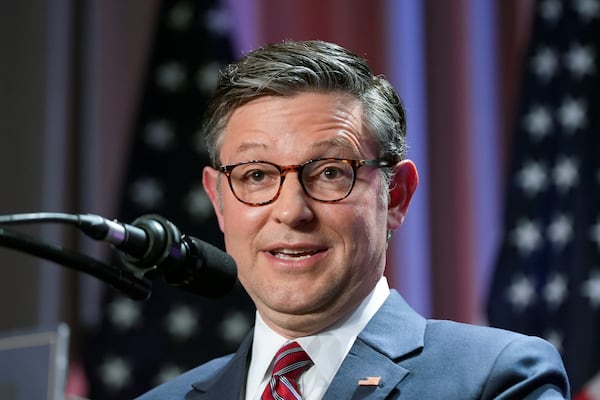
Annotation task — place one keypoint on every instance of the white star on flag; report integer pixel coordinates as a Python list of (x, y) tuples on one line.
[(565, 174), (555, 290), (115, 372), (181, 16), (159, 134), (551, 10), (580, 60), (147, 193), (218, 21), (520, 293), (560, 230), (124, 313), (234, 327), (526, 236), (538, 122), (571, 115), (171, 76), (545, 63), (532, 178), (207, 77), (181, 322), (166, 373)]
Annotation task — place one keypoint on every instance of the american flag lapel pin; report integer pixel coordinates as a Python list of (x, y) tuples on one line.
[(370, 381)]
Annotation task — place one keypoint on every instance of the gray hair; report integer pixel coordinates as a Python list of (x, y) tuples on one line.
[(290, 68)]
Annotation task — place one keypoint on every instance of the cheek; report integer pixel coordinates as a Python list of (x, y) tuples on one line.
[(369, 227), (241, 224), (352, 224)]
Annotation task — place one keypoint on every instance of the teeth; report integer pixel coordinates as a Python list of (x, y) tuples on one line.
[(291, 257), (293, 254)]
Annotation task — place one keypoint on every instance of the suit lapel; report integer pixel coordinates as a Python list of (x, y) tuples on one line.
[(393, 333), (228, 383), (363, 362)]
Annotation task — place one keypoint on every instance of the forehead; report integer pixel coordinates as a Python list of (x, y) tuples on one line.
[(290, 124)]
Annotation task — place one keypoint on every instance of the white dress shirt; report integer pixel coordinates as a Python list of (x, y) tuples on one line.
[(326, 349)]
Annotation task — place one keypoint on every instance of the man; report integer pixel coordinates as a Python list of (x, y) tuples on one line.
[(309, 179)]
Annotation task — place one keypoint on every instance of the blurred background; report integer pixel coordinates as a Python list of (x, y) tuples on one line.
[(100, 106)]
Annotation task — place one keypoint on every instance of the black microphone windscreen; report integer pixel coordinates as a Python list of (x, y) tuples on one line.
[(216, 272)]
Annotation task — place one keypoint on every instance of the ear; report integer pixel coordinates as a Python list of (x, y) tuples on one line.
[(210, 180), (402, 186)]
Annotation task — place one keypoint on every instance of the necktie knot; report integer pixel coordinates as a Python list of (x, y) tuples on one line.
[(290, 362)]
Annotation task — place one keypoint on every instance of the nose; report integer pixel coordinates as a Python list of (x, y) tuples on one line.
[(293, 206)]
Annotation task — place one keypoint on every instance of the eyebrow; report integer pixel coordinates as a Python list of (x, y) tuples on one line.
[(250, 146), (339, 143)]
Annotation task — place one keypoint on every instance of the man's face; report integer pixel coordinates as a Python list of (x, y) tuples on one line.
[(305, 263)]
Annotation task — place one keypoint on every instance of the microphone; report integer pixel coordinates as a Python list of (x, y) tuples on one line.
[(152, 246)]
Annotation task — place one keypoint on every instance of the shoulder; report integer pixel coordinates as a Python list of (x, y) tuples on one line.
[(499, 362), (461, 334), (182, 384), (469, 361), (483, 342)]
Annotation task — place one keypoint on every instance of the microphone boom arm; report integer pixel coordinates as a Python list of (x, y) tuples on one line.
[(122, 280)]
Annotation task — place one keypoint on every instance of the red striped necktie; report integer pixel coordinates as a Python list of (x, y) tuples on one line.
[(290, 362)]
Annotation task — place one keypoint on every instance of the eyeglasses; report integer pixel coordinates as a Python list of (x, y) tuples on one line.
[(328, 180)]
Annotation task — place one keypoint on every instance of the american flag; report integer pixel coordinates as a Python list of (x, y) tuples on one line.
[(547, 278), (140, 345)]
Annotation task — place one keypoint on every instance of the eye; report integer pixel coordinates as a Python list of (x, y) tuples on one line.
[(329, 171), (254, 177), (256, 174)]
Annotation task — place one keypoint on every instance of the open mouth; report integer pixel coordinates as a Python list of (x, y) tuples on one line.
[(293, 254)]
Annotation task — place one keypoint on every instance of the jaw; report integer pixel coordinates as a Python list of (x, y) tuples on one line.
[(299, 304)]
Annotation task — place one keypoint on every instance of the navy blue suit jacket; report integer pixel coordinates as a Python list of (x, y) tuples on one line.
[(415, 358)]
